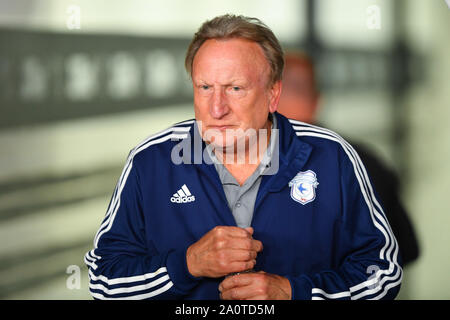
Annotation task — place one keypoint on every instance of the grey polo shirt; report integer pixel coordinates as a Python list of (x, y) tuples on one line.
[(241, 199)]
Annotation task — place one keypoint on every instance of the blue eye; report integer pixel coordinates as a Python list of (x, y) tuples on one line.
[(236, 88), (205, 87)]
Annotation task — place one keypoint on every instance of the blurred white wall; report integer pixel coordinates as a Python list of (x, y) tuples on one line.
[(428, 114), (161, 18), (53, 145)]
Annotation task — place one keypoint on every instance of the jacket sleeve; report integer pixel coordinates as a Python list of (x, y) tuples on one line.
[(369, 262), (122, 265)]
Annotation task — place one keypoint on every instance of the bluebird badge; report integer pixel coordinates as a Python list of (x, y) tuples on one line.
[(303, 187)]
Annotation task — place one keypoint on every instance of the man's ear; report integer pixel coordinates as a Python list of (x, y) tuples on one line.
[(274, 97)]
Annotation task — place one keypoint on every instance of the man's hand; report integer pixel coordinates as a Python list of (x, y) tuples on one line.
[(255, 286), (223, 250)]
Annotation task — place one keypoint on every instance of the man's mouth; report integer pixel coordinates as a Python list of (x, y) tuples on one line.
[(220, 127)]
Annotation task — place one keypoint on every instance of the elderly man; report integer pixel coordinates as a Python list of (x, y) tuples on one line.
[(242, 203)]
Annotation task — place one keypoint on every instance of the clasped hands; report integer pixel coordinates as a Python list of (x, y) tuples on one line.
[(225, 250)]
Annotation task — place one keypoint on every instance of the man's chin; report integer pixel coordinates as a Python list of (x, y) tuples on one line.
[(223, 145)]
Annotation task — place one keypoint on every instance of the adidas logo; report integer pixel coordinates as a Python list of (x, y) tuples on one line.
[(182, 196)]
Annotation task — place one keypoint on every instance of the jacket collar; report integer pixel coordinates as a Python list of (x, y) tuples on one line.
[(293, 154)]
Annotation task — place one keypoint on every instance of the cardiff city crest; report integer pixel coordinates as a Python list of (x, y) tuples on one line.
[(303, 187)]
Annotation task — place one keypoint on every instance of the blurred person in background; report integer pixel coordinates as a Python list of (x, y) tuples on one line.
[(300, 101)]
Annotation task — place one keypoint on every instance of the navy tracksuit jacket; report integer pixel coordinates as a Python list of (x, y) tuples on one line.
[(333, 243)]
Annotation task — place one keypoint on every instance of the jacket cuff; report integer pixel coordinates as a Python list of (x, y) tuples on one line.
[(301, 287), (179, 272)]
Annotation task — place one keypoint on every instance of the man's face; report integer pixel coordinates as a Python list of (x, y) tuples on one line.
[(231, 88), (299, 99)]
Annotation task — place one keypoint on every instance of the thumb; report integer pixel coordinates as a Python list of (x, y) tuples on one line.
[(250, 230)]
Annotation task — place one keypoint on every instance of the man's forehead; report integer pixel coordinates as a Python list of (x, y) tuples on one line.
[(228, 79), (236, 54), (227, 44)]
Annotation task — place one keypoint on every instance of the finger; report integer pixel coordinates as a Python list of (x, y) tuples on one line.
[(257, 245), (241, 232), (244, 244), (257, 297), (234, 232), (239, 266), (235, 281), (250, 230), (240, 255), (239, 293)]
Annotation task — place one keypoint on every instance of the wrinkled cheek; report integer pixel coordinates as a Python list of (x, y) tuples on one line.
[(200, 109)]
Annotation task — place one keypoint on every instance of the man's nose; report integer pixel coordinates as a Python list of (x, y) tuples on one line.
[(219, 104)]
